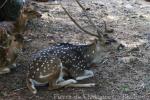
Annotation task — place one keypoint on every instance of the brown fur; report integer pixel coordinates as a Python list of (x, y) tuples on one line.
[(48, 68)]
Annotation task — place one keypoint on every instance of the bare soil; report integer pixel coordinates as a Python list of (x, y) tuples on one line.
[(120, 75)]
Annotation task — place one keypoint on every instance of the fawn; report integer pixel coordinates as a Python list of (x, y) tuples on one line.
[(53, 64)]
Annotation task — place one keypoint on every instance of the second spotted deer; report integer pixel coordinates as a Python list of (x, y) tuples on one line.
[(11, 41)]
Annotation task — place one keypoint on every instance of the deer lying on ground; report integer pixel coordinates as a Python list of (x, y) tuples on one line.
[(52, 64), (9, 32)]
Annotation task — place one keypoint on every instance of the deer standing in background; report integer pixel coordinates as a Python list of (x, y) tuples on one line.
[(10, 30)]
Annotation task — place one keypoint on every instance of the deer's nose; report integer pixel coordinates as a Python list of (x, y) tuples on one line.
[(40, 15)]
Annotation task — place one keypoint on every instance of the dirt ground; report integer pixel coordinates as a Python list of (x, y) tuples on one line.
[(121, 75)]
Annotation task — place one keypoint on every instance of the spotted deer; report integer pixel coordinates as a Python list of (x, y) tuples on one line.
[(62, 65), (53, 64)]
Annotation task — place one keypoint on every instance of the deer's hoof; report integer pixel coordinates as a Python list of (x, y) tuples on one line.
[(34, 91), (73, 81), (4, 70)]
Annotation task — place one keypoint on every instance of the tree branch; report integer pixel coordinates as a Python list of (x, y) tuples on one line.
[(76, 22)]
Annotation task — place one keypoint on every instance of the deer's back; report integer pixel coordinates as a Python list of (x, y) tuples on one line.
[(70, 55)]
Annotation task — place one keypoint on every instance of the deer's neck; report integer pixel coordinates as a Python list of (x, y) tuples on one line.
[(12, 54), (20, 23)]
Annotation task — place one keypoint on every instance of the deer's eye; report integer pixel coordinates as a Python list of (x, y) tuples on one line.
[(15, 40)]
